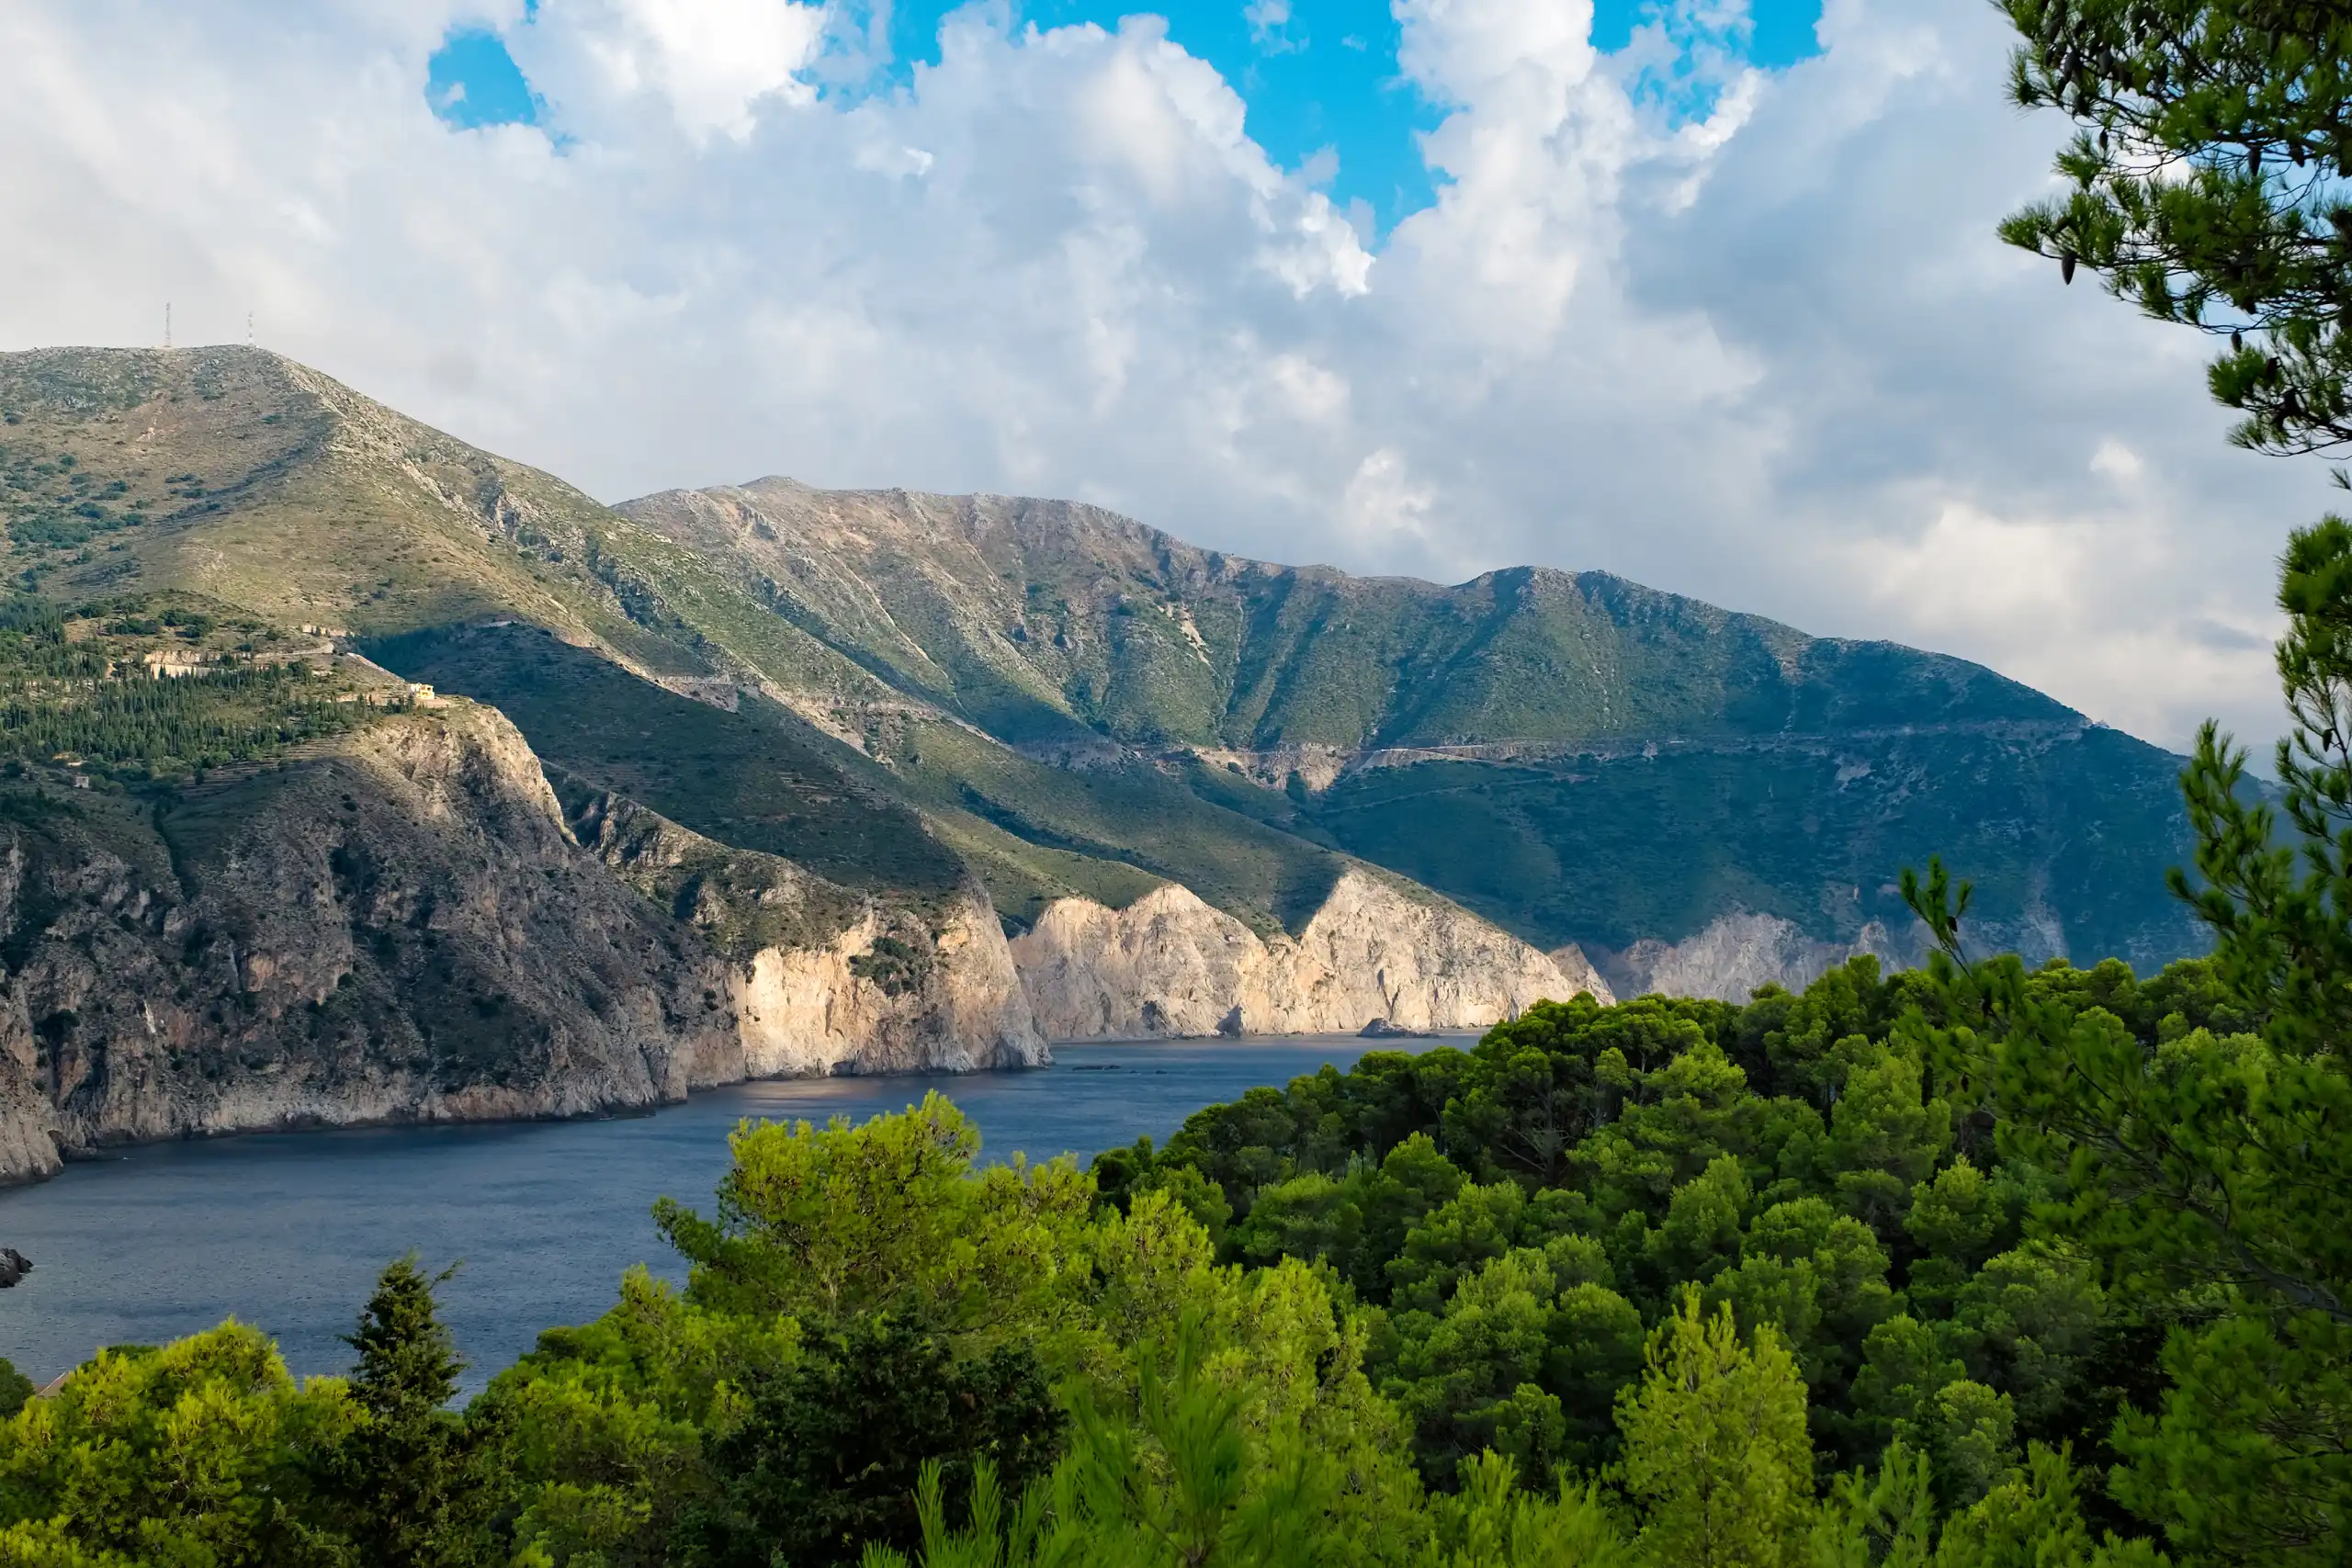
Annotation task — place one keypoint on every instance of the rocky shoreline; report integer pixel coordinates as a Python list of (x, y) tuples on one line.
[(407, 926)]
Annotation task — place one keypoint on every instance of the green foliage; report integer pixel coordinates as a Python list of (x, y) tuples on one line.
[(407, 1484), (756, 777), (2243, 1463), (1715, 1446), (885, 1352), (196, 1453), (1523, 1213), (1213, 1494), (2202, 1166), (827, 1456), (1882, 1520), (1492, 1523), (1187, 1483), (15, 1389), (898, 967), (834, 1223), (2202, 1171), (1606, 845), (91, 697), (408, 1363), (2208, 186)]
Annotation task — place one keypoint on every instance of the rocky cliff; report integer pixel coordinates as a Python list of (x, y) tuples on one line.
[(1170, 965), (394, 926), (1736, 953), (402, 925), (820, 978)]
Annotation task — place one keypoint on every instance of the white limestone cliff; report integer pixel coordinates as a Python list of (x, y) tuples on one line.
[(1170, 965), (1736, 954), (805, 1010), (821, 979)]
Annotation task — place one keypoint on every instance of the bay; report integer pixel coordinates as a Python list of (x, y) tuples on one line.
[(286, 1230)]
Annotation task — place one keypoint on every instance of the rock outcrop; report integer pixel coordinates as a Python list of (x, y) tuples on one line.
[(395, 926), (821, 979), (1735, 954), (1581, 972), (1170, 965), (402, 925)]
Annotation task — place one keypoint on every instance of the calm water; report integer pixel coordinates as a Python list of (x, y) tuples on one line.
[(287, 1231)]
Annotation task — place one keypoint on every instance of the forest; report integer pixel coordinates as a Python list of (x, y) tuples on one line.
[(1821, 1279), (78, 687)]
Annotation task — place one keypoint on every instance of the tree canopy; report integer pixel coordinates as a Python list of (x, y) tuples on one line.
[(2206, 185)]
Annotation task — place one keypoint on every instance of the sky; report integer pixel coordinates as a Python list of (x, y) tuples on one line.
[(1702, 296)]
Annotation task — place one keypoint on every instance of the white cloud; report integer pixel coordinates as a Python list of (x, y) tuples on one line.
[(2117, 462), (1771, 357), (1382, 502), (711, 61), (1267, 18)]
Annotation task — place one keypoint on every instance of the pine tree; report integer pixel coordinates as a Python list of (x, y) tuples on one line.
[(2208, 186), (408, 1359), (410, 1490), (1715, 1446), (2209, 1176), (828, 1452)]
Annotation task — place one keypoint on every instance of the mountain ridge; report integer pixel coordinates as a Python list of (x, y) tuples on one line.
[(237, 579), (1033, 542), (1079, 636), (1074, 704)]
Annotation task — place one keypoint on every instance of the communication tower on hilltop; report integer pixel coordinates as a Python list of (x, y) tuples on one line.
[(167, 324)]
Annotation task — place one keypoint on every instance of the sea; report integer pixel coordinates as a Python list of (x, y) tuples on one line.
[(286, 1230)]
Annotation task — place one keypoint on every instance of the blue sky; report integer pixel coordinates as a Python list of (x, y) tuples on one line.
[(1316, 74)]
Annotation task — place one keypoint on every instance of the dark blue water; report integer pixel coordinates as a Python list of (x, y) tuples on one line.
[(287, 1232)]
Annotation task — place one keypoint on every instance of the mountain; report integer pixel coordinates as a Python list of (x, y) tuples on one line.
[(647, 833), (349, 772), (1686, 792)]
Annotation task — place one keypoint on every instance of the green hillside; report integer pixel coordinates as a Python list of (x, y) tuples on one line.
[(268, 488), (1575, 756), (2065, 833), (932, 800), (1034, 618)]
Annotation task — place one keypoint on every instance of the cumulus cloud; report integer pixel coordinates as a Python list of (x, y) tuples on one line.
[(1740, 335), (710, 62)]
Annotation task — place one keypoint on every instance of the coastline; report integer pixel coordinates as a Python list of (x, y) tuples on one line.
[(102, 1150)]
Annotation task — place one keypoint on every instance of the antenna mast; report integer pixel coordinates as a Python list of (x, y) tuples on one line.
[(167, 324)]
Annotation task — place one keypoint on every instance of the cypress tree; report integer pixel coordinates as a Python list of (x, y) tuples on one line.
[(409, 1483)]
